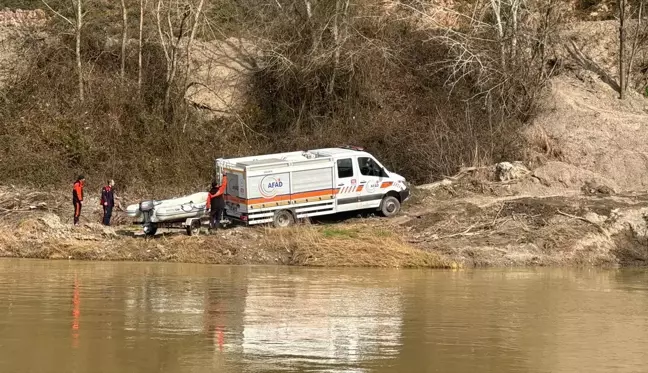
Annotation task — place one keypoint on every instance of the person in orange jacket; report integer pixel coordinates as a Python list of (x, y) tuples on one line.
[(216, 203), (77, 197)]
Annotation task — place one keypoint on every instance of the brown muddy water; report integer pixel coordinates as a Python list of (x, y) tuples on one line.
[(58, 316)]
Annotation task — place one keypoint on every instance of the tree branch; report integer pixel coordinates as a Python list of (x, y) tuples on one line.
[(58, 14)]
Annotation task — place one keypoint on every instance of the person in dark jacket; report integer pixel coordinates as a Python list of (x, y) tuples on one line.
[(108, 201), (216, 203), (77, 197)]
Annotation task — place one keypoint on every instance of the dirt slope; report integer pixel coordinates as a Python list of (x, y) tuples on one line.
[(584, 133), (584, 124)]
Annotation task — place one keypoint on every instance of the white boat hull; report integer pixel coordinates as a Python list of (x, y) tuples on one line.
[(172, 210)]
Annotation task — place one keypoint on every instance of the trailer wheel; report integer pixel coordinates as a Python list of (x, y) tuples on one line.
[(283, 218), (194, 228), (150, 229), (390, 206)]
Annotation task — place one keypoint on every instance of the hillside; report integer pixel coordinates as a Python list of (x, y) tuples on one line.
[(389, 76), (582, 127)]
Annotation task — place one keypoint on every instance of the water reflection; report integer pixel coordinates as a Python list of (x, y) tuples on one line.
[(76, 313), (323, 322), (129, 317)]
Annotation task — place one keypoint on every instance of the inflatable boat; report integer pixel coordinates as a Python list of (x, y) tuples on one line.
[(174, 210)]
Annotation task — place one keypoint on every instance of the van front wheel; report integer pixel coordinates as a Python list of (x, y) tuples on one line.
[(390, 206)]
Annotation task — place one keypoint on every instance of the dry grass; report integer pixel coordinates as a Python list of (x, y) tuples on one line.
[(42, 236), (350, 246)]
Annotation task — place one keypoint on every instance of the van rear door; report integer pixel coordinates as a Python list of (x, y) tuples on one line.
[(235, 194)]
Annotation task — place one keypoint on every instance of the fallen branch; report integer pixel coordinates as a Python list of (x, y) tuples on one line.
[(464, 233), (598, 226), (464, 171), (498, 214)]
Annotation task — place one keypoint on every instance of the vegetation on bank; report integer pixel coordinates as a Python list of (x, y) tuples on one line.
[(356, 245), (424, 94)]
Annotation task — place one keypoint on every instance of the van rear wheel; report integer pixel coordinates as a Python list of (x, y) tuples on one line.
[(283, 218), (390, 206)]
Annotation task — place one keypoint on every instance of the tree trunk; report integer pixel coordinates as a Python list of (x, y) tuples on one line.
[(515, 9), (79, 23), (173, 67), (165, 49), (139, 47), (622, 14), (497, 10), (122, 72), (635, 45), (311, 26), (338, 39), (194, 29)]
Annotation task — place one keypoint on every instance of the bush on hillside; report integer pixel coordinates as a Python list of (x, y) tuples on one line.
[(381, 83)]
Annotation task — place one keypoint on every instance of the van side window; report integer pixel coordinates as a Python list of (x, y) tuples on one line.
[(345, 168), (368, 167)]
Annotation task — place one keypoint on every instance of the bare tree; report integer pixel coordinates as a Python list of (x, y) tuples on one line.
[(169, 43), (122, 71), (515, 13), (77, 25), (176, 12), (638, 39), (194, 29), (622, 39), (139, 45), (496, 6), (498, 48), (339, 37)]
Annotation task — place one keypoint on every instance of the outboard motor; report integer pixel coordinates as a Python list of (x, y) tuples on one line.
[(146, 207)]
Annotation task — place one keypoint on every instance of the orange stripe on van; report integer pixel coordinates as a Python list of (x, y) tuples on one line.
[(386, 184), (235, 199), (285, 197), (360, 188)]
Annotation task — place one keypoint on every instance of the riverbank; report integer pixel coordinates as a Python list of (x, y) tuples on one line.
[(357, 245), (471, 223)]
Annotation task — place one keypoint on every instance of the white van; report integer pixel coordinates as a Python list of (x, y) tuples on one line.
[(282, 188)]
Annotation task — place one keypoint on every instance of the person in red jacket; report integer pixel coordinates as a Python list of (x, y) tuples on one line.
[(216, 203), (77, 197)]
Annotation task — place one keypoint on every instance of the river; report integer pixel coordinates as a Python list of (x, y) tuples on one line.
[(60, 316)]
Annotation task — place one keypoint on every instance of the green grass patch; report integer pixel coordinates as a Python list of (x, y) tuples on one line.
[(335, 232)]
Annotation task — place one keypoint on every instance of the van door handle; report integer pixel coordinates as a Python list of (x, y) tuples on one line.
[(363, 182), (341, 184)]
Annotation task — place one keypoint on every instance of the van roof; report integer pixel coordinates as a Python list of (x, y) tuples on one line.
[(268, 159), (332, 152)]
